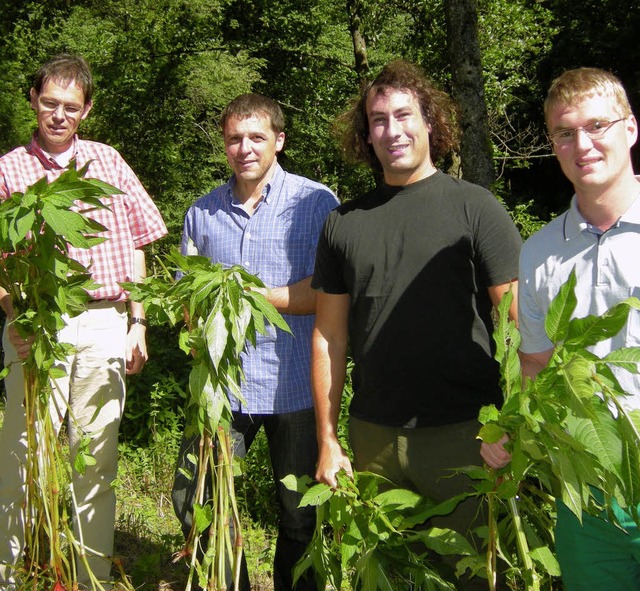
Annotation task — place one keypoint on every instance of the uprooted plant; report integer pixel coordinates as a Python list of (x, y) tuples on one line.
[(373, 536), (570, 432), (44, 285), (224, 312)]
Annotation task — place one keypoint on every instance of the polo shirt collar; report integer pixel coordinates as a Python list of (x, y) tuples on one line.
[(575, 224)]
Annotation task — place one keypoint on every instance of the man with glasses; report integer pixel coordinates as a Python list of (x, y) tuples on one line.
[(109, 343), (592, 129)]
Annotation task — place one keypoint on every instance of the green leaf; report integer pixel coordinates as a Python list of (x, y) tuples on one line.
[(626, 357), (316, 495), (586, 332), (445, 542), (556, 323), (202, 517), (491, 433), (297, 484), (216, 333), (546, 560), (578, 377)]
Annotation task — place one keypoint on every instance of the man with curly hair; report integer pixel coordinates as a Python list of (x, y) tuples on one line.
[(407, 277)]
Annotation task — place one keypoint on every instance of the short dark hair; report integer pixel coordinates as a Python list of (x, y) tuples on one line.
[(66, 67), (438, 110), (250, 104)]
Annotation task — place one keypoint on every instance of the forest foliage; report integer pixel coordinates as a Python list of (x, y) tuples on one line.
[(164, 70)]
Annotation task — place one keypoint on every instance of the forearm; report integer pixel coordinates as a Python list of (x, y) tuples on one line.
[(534, 363), (298, 298), (328, 370), (136, 309), (5, 302)]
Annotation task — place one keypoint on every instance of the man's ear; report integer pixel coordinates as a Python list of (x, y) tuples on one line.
[(33, 98), (85, 110), (280, 142)]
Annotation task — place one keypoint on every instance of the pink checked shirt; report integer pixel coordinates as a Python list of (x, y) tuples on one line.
[(132, 219)]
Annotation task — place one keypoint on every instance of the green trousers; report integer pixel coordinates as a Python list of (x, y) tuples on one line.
[(422, 460), (598, 555)]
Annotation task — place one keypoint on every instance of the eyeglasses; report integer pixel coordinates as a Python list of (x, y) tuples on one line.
[(594, 131), (70, 110)]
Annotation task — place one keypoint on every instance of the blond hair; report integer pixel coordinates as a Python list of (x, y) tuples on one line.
[(573, 86)]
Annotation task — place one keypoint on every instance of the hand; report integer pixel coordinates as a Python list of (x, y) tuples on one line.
[(21, 345), (494, 454), (136, 349), (331, 460)]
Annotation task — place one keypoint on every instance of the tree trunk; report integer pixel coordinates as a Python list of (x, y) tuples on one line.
[(468, 90), (354, 9)]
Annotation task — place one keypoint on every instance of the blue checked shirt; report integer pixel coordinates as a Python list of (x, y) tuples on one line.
[(278, 244)]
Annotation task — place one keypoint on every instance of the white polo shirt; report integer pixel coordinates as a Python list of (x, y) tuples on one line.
[(607, 270)]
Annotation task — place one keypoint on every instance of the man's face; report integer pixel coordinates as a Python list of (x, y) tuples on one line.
[(251, 146), (399, 136), (59, 108), (593, 164)]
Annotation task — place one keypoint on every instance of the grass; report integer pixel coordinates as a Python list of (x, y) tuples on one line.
[(147, 532)]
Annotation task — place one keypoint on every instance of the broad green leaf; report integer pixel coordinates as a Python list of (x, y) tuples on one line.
[(546, 559), (491, 433), (556, 322), (445, 542), (202, 516), (599, 435), (316, 495), (80, 464), (578, 377), (400, 499), (216, 333), (21, 226), (570, 483), (586, 332), (488, 413), (297, 483), (626, 357)]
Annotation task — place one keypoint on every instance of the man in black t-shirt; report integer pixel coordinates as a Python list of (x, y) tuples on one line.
[(407, 276)]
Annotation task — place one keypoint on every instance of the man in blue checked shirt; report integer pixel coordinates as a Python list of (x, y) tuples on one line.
[(268, 221)]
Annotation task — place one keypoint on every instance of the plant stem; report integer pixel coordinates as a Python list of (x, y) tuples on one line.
[(523, 546)]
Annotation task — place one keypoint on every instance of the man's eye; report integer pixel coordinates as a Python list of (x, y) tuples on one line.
[(566, 133), (596, 125)]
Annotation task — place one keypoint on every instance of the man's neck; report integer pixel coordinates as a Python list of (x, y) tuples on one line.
[(249, 193), (403, 178), (603, 208)]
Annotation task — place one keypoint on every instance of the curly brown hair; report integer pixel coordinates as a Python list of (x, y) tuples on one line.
[(438, 110)]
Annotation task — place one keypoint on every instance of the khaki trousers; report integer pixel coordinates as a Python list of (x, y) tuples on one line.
[(92, 396)]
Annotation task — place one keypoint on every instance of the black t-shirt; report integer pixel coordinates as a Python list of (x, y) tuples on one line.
[(416, 262)]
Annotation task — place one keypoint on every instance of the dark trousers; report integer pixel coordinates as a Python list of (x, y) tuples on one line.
[(293, 450)]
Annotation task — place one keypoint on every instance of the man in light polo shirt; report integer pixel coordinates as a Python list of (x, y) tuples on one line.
[(592, 130)]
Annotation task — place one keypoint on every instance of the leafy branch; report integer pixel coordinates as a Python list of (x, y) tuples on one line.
[(568, 428), (224, 312), (45, 284), (367, 531)]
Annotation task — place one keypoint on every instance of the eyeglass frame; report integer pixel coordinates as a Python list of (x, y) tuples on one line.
[(70, 110), (595, 134)]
